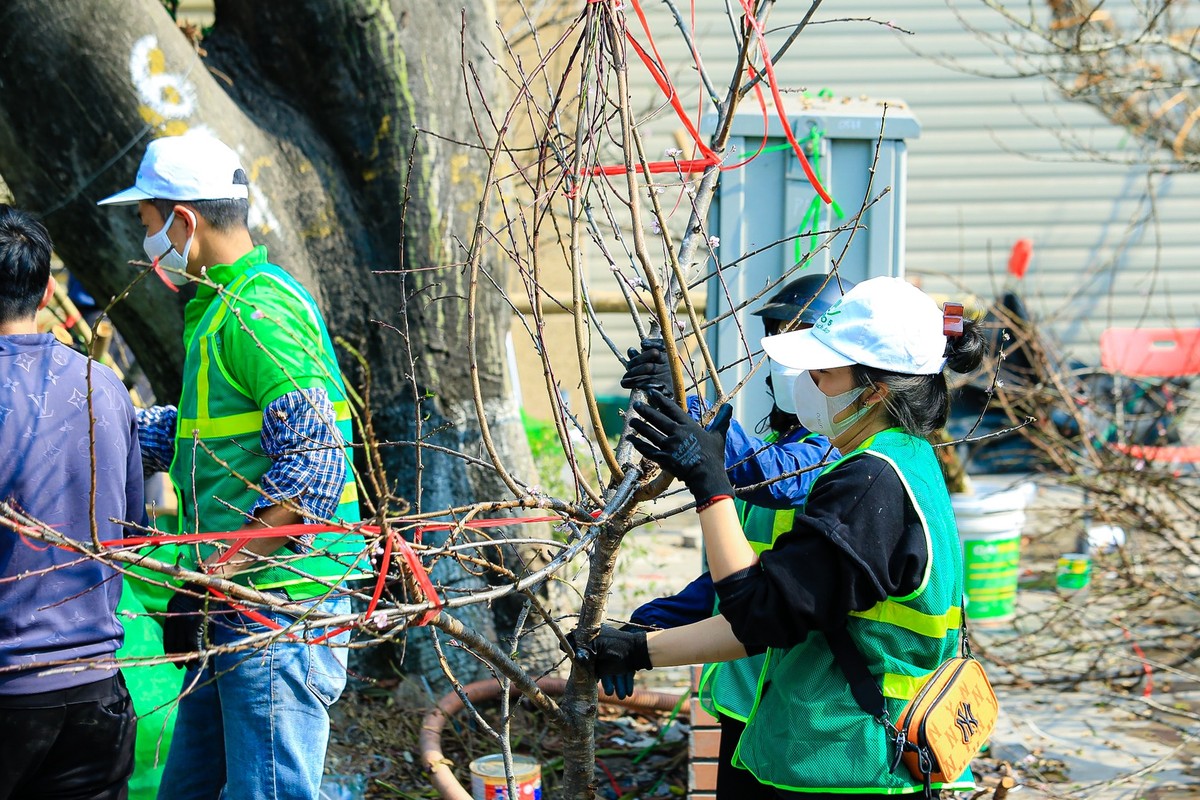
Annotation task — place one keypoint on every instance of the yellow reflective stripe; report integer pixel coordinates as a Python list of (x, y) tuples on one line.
[(202, 381), (234, 287), (912, 499), (902, 687), (354, 574), (349, 493), (218, 317), (234, 424), (759, 547), (222, 427), (893, 613), (341, 410), (783, 523)]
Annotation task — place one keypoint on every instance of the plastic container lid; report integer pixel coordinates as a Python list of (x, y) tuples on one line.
[(993, 497)]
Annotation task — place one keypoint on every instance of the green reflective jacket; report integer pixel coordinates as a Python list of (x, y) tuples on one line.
[(805, 731), (218, 451)]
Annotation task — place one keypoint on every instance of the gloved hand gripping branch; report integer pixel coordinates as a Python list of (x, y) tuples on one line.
[(648, 368), (615, 654), (681, 446)]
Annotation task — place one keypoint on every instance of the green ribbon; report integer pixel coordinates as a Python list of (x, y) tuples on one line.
[(810, 222)]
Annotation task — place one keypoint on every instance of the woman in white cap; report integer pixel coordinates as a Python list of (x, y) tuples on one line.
[(869, 581)]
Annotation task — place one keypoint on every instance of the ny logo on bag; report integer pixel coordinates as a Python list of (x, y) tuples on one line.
[(966, 722)]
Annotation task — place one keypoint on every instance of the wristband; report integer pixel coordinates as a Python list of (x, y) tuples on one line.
[(712, 501)]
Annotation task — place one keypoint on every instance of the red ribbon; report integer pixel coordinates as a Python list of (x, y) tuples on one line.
[(708, 157), (420, 574), (162, 276)]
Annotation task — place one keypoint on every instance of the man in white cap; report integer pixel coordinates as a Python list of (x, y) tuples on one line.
[(257, 440)]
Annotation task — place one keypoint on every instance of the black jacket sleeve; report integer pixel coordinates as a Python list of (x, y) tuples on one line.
[(859, 541)]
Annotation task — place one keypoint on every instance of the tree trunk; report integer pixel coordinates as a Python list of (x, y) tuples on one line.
[(322, 99)]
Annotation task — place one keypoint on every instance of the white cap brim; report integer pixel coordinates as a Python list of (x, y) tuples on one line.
[(803, 350), (131, 195)]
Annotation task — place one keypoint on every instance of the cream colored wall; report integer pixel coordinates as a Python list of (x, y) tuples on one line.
[(198, 11)]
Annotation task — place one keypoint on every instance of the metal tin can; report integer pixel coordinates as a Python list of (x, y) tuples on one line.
[(488, 781)]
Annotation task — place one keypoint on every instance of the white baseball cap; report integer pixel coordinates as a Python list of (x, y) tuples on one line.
[(194, 166), (886, 323)]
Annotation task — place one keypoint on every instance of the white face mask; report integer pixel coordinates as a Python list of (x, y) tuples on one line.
[(817, 410), (782, 379), (158, 248)]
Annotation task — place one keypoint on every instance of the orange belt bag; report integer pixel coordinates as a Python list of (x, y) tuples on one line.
[(948, 722)]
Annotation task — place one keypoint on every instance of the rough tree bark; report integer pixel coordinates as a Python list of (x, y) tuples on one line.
[(322, 98)]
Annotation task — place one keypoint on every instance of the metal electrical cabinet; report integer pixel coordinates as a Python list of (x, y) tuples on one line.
[(771, 223)]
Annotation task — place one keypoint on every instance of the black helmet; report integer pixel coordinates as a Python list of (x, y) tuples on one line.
[(790, 302)]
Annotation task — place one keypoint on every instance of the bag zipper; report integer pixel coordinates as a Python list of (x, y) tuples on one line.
[(902, 742), (950, 682), (912, 709)]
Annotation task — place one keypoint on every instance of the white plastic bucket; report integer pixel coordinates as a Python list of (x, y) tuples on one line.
[(989, 527)]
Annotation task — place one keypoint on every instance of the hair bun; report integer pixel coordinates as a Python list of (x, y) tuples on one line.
[(964, 353)]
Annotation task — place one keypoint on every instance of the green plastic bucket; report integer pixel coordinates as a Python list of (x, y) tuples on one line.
[(612, 413), (1073, 574), (989, 527)]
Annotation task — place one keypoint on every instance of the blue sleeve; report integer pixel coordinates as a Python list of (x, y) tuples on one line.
[(135, 480), (696, 602), (308, 467), (751, 460), (156, 435)]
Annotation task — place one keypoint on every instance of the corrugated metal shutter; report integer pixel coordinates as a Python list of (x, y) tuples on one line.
[(989, 167)]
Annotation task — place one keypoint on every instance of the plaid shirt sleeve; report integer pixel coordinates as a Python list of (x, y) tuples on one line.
[(156, 435), (300, 435)]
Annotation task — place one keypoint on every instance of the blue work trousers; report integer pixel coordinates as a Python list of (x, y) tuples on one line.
[(254, 724)]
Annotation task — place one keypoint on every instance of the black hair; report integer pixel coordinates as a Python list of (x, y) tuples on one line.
[(222, 215), (24, 264), (920, 404), (781, 421)]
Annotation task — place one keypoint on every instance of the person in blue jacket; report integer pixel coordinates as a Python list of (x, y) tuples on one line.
[(773, 475)]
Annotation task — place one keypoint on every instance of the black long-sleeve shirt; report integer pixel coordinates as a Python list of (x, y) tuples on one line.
[(858, 542)]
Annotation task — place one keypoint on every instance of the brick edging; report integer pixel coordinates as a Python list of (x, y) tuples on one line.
[(703, 747)]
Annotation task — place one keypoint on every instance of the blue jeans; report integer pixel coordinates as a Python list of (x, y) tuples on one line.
[(254, 724)]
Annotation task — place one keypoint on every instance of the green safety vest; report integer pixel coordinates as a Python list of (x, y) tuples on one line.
[(728, 688), (805, 731), (218, 421)]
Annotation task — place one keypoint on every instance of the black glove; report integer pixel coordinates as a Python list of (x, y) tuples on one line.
[(622, 685), (186, 621), (619, 685), (615, 655), (678, 443), (648, 367)]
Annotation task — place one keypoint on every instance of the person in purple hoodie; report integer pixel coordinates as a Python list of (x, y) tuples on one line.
[(66, 720)]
